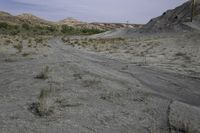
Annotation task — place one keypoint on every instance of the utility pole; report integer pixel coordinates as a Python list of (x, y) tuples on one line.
[(193, 9), (127, 23)]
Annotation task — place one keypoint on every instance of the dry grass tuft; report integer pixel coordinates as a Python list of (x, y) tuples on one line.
[(44, 106), (44, 74), (19, 46)]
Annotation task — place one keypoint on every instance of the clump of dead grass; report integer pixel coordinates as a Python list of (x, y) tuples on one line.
[(19, 46), (44, 106), (44, 74)]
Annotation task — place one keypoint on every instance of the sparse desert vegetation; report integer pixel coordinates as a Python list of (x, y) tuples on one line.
[(32, 30), (44, 74), (96, 44), (68, 30), (72, 76), (19, 46), (44, 106)]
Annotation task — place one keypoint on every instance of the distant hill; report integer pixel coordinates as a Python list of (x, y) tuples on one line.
[(33, 19), (2, 13), (72, 22), (6, 17), (23, 18), (96, 25), (28, 24)]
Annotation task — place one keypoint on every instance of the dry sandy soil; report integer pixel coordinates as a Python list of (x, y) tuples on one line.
[(149, 83), (121, 81)]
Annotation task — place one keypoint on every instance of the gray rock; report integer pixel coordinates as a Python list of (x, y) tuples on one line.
[(184, 117)]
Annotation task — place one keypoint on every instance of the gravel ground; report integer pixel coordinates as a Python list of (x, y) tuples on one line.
[(88, 92)]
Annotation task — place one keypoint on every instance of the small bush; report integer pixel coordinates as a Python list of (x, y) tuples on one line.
[(67, 29), (19, 47), (25, 26), (38, 40), (51, 29), (3, 25), (45, 102), (44, 105), (8, 29), (8, 41), (86, 31)]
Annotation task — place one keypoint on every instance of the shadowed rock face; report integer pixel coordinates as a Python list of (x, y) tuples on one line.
[(172, 19)]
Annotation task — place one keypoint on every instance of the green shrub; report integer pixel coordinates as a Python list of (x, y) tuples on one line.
[(14, 32), (3, 25), (25, 26), (87, 31), (9, 29), (51, 28), (38, 40), (67, 29), (27, 29)]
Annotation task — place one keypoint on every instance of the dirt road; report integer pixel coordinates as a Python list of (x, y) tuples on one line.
[(93, 93), (170, 85)]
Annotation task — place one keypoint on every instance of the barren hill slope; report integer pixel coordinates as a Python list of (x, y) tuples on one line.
[(2, 13), (23, 18), (33, 19), (175, 20), (172, 20), (70, 21)]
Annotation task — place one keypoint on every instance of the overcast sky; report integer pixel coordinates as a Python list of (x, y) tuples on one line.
[(135, 11)]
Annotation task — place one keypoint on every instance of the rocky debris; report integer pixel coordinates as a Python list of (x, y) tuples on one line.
[(195, 24), (184, 118)]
